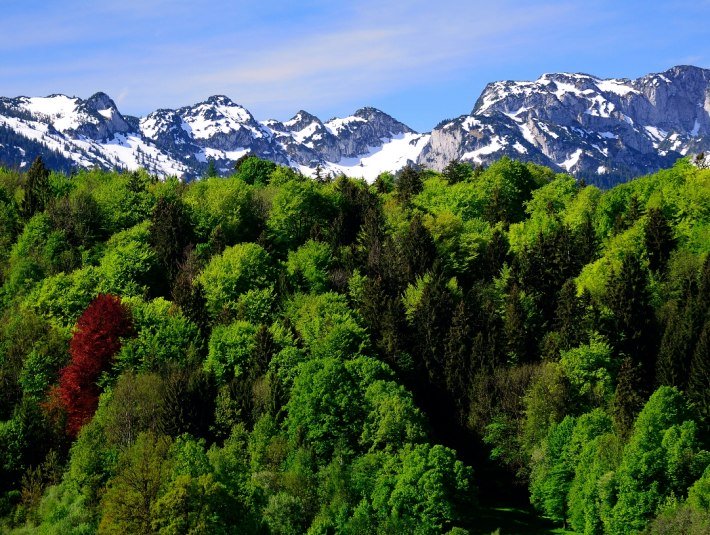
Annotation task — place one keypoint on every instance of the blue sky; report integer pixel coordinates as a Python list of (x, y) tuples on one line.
[(420, 61)]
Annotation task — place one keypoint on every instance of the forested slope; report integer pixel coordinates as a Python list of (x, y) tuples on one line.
[(266, 353)]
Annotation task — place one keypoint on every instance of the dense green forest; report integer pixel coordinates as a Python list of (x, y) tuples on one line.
[(267, 353)]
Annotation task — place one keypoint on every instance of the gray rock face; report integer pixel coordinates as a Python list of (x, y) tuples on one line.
[(602, 130)]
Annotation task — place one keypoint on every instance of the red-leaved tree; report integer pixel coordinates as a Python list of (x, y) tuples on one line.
[(97, 338)]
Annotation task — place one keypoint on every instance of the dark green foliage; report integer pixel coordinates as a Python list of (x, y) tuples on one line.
[(37, 188), (170, 234), (457, 171), (632, 328), (408, 183), (659, 239)]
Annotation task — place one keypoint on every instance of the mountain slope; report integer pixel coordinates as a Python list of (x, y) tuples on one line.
[(603, 130), (583, 125)]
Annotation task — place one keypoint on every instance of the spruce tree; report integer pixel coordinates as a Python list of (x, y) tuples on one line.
[(170, 234), (659, 239), (418, 250), (408, 184), (632, 326), (457, 357), (211, 171), (37, 188), (675, 351), (699, 377), (628, 399)]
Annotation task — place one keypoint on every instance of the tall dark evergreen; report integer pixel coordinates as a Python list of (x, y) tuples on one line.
[(36, 187), (699, 377), (408, 184), (418, 250), (632, 327), (676, 349), (171, 233), (659, 239), (457, 171), (628, 398)]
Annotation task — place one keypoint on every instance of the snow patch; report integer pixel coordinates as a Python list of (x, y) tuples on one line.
[(570, 162)]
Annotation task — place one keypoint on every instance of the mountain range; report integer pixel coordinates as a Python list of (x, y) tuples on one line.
[(602, 130)]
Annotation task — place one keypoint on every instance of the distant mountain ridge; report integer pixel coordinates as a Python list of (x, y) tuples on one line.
[(603, 130)]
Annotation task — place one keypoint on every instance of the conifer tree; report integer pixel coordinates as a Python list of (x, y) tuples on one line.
[(408, 184), (659, 239), (211, 171), (418, 250), (699, 378), (628, 399), (170, 235), (37, 188), (632, 328), (675, 352)]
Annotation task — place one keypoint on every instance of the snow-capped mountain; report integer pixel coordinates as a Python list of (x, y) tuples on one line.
[(601, 129), (69, 131), (583, 125)]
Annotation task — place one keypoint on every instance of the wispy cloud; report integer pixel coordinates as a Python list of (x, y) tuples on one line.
[(278, 56)]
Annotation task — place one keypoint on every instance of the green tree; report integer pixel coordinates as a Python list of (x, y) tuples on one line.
[(37, 188)]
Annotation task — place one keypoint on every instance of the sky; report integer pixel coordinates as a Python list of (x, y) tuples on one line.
[(420, 61)]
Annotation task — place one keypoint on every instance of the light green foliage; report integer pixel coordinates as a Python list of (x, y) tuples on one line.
[(595, 276), (460, 242), (543, 210), (589, 503), (128, 264), (124, 199), (464, 200), (328, 327), (63, 297), (296, 208), (230, 348), (238, 269), (546, 402), (326, 407), (551, 475), (591, 369), (393, 419), (699, 493), (415, 491), (256, 171), (308, 266), (39, 251), (256, 305), (221, 202), (163, 335), (658, 460)]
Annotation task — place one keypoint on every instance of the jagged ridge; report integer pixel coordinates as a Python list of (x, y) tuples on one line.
[(602, 130)]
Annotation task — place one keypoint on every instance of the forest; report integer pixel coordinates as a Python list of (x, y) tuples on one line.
[(273, 354)]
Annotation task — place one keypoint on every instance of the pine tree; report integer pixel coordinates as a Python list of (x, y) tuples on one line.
[(409, 183), (628, 399), (418, 250), (457, 171), (699, 377), (518, 344), (659, 239), (211, 171), (37, 188), (675, 352), (170, 235), (632, 327), (457, 357)]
